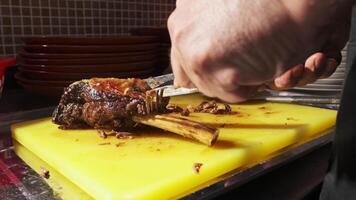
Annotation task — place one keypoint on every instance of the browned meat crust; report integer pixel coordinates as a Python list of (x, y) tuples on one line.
[(213, 107), (103, 103)]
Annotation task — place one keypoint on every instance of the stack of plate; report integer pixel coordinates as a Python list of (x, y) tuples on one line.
[(50, 63), (332, 84), (163, 34)]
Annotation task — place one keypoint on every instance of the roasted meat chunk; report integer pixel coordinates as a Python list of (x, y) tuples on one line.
[(213, 107), (106, 103)]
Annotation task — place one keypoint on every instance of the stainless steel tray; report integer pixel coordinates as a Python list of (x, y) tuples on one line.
[(19, 181)]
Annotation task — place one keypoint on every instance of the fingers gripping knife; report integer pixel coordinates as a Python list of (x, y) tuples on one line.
[(165, 83)]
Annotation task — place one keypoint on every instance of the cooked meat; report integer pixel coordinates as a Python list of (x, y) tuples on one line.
[(197, 167), (105, 103), (124, 135), (213, 107), (102, 134), (173, 108), (44, 173), (185, 112)]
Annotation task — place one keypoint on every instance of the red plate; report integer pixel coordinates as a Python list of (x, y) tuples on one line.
[(162, 32), (67, 49), (69, 76), (77, 56), (63, 40), (102, 68), (43, 90), (23, 79), (91, 61)]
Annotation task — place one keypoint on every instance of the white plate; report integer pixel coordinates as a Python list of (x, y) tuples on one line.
[(317, 89), (338, 76), (331, 81), (323, 86), (339, 73)]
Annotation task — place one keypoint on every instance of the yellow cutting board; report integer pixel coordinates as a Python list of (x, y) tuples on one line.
[(159, 165)]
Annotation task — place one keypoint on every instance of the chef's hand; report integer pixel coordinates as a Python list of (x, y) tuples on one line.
[(321, 64), (317, 66), (229, 48)]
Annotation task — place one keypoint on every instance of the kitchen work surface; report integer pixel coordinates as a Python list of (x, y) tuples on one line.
[(161, 165)]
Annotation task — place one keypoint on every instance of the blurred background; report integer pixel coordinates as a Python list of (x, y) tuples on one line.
[(20, 18)]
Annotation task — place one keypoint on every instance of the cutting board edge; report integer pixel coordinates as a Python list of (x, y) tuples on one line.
[(56, 178), (87, 190)]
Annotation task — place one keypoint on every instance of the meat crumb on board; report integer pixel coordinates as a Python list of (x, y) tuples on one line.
[(120, 135), (291, 119), (124, 135), (173, 108), (185, 112), (105, 143), (213, 107), (119, 144), (102, 133), (44, 173), (196, 167), (271, 112)]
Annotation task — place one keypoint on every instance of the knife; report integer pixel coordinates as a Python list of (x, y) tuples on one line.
[(166, 82), (160, 81)]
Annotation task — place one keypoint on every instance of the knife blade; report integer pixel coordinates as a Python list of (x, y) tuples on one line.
[(166, 82), (159, 81), (170, 91)]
